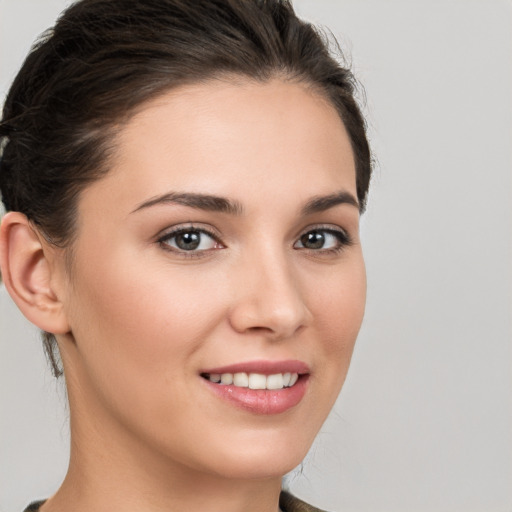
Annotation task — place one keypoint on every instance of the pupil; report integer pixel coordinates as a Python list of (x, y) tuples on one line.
[(313, 240), (188, 241)]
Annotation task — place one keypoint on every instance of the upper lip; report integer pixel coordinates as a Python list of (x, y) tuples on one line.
[(263, 367)]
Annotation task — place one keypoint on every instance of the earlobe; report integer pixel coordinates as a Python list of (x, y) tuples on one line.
[(27, 273)]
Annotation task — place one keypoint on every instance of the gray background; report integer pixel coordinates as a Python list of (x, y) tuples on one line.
[(424, 422)]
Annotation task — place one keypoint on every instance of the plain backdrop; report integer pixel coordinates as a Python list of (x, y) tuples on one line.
[(424, 422)]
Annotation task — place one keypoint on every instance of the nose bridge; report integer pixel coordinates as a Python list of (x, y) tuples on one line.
[(269, 297)]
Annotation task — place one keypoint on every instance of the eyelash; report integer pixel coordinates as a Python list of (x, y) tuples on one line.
[(187, 229), (343, 238)]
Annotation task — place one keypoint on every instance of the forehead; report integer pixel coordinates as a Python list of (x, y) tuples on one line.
[(232, 139)]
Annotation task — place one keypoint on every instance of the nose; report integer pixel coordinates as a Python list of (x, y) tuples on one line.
[(268, 299)]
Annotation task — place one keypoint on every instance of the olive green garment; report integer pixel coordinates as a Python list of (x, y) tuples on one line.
[(287, 502)]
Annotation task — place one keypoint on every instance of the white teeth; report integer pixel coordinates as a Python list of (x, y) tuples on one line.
[(226, 378), (275, 381), (241, 380), (255, 380)]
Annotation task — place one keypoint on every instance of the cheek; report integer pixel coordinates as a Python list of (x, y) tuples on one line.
[(339, 312), (340, 307), (139, 322), (142, 299)]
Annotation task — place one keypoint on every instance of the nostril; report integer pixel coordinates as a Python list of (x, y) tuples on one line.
[(258, 329)]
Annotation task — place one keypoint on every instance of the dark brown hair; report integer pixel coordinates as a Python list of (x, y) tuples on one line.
[(104, 59)]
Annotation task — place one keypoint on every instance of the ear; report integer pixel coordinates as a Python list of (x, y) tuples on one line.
[(26, 264)]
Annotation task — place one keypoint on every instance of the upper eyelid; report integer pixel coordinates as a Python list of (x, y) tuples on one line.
[(325, 227), (176, 230)]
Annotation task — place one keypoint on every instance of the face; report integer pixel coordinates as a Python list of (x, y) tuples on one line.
[(222, 245)]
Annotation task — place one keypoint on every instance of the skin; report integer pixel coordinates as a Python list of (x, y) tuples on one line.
[(137, 320)]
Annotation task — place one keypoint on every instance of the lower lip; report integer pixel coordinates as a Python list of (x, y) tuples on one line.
[(261, 401)]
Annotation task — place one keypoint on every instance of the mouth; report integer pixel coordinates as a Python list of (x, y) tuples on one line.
[(253, 380), (260, 387)]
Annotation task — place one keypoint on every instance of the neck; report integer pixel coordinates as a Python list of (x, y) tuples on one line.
[(132, 495)]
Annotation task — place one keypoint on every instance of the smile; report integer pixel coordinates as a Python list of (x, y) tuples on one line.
[(254, 380), (259, 387)]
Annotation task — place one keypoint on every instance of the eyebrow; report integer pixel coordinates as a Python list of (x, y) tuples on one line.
[(199, 201), (321, 203), (221, 204)]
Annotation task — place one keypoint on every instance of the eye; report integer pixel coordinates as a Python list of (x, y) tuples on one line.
[(189, 240), (323, 240)]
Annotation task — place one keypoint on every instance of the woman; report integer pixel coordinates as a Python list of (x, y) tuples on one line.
[(183, 182)]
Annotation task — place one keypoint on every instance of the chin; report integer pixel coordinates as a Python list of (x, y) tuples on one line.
[(262, 459), (260, 470)]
